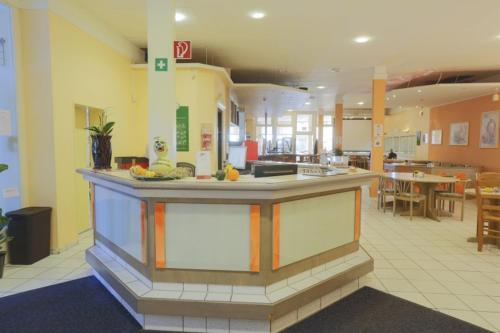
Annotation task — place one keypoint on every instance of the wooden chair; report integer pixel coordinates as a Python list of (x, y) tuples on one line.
[(190, 168), (405, 191), (451, 197), (488, 208), (385, 191)]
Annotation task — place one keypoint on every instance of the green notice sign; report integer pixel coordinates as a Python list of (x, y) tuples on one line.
[(161, 64), (182, 128)]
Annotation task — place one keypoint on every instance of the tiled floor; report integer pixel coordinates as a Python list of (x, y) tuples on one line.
[(432, 264), (426, 262)]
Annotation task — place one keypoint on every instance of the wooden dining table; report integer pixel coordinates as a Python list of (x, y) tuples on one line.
[(427, 184)]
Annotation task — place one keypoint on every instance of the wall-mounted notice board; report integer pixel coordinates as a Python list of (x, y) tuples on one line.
[(182, 128)]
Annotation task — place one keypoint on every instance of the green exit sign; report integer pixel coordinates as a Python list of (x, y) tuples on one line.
[(161, 64)]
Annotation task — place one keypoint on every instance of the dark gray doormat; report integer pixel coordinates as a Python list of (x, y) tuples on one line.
[(85, 306)]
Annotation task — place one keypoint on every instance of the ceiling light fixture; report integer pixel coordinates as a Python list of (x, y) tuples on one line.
[(394, 96), (361, 103), (419, 91), (257, 15), (362, 39), (307, 103), (320, 87), (289, 110), (179, 17)]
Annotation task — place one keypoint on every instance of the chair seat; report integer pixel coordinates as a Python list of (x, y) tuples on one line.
[(409, 196), (449, 195)]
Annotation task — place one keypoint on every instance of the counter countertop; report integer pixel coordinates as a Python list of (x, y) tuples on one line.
[(245, 183)]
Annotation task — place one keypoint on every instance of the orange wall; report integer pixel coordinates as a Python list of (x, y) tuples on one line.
[(466, 111)]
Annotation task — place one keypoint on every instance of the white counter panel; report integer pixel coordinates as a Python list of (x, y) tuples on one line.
[(118, 218), (207, 236), (315, 225)]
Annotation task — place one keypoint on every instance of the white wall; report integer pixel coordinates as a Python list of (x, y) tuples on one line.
[(357, 135), (9, 151)]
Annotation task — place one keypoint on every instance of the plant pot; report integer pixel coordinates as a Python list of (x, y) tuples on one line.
[(101, 151), (2, 262)]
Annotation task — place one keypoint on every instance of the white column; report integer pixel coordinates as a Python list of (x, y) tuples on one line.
[(162, 103)]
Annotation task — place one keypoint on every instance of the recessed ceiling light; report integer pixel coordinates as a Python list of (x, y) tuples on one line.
[(387, 98), (361, 103), (320, 87), (179, 17), (307, 103), (394, 96), (335, 69), (419, 91), (498, 36), (289, 110), (257, 15), (362, 39)]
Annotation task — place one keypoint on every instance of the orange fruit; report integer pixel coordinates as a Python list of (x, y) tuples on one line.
[(233, 175)]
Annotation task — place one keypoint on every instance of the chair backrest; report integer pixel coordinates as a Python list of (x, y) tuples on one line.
[(188, 166), (460, 186), (487, 180), (403, 186)]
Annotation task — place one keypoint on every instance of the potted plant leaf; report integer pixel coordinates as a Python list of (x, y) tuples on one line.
[(101, 142), (4, 238)]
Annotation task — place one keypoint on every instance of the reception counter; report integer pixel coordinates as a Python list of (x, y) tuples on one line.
[(255, 255)]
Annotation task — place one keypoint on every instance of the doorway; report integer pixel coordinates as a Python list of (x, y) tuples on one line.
[(85, 116)]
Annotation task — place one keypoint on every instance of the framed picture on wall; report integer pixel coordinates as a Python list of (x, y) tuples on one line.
[(459, 134), (437, 136), (488, 137)]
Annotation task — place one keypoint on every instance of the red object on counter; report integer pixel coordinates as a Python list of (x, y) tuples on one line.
[(252, 150), (126, 162)]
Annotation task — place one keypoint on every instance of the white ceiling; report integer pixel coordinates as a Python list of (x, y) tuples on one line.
[(299, 42)]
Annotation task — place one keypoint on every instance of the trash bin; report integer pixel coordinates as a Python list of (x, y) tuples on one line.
[(30, 229)]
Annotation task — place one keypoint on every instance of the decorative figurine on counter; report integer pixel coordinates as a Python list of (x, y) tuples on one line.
[(162, 166)]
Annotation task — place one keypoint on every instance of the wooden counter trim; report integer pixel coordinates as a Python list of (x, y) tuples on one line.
[(160, 255), (276, 236), (254, 238), (154, 306), (144, 248), (133, 262), (357, 222), (262, 278)]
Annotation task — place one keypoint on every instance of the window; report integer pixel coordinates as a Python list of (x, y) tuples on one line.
[(261, 137), (303, 144), (234, 133), (304, 123), (327, 121), (327, 138), (285, 121)]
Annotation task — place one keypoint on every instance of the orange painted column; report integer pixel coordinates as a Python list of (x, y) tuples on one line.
[(320, 133), (378, 116), (339, 124)]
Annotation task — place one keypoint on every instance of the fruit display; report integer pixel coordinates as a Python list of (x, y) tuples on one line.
[(220, 175), (139, 171), (228, 173), (233, 175)]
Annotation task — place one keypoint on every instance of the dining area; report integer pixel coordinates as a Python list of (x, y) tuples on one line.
[(445, 195)]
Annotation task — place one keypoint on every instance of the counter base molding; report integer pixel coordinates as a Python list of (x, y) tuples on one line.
[(185, 307), (257, 255)]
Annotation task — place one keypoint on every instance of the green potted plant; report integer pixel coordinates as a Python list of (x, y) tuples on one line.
[(101, 142), (4, 238)]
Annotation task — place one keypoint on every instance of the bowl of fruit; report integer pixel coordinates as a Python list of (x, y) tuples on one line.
[(140, 173)]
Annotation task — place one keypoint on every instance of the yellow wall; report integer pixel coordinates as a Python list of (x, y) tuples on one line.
[(408, 121), (61, 66), (37, 151)]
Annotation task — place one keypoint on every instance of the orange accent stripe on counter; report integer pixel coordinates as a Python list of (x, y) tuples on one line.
[(357, 222), (276, 236), (92, 204), (160, 234), (143, 232), (254, 238)]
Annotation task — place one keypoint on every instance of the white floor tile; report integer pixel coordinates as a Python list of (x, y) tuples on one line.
[(446, 301), (481, 303), (414, 297), (393, 285), (470, 317)]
